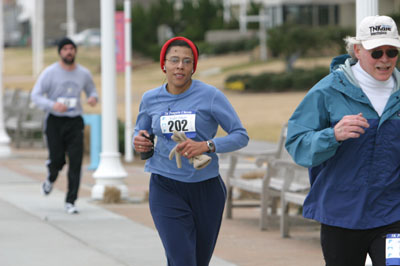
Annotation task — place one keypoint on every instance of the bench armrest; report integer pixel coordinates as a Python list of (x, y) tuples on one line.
[(244, 153), (286, 163)]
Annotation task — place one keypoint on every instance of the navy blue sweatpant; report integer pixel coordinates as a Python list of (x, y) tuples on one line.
[(188, 218)]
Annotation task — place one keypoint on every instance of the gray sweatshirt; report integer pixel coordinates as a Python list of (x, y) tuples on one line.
[(56, 84)]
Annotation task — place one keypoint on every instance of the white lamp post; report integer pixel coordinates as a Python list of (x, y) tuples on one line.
[(366, 8), (38, 37), (227, 11), (110, 171), (71, 25), (5, 150), (128, 97)]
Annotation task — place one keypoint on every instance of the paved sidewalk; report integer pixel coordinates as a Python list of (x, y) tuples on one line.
[(35, 230)]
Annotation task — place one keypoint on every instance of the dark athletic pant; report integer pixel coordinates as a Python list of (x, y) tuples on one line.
[(65, 137), (188, 218), (347, 247)]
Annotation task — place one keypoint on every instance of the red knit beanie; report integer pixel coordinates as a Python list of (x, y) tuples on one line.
[(189, 42)]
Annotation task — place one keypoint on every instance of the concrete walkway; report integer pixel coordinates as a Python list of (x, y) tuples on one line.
[(36, 231)]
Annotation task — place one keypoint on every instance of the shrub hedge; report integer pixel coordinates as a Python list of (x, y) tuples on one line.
[(298, 80)]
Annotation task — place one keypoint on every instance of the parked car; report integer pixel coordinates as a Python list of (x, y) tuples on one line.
[(12, 38), (87, 37)]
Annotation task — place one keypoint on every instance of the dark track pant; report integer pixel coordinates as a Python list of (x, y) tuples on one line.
[(188, 218), (65, 137), (347, 247)]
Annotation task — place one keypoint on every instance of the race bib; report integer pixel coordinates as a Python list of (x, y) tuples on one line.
[(69, 102), (393, 249), (183, 121)]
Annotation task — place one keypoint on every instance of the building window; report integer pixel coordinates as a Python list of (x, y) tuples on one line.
[(310, 14), (297, 14), (328, 15)]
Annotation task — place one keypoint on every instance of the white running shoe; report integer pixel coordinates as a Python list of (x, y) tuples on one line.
[(47, 186), (70, 208)]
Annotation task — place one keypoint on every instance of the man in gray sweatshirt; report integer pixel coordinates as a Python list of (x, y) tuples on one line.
[(58, 92)]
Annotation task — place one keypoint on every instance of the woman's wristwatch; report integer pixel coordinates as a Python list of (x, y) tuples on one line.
[(211, 146)]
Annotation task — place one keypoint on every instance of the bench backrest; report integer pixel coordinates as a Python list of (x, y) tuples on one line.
[(300, 174)]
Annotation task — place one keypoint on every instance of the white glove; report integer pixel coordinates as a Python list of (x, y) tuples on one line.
[(198, 161)]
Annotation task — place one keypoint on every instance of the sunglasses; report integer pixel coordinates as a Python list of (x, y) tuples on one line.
[(392, 53)]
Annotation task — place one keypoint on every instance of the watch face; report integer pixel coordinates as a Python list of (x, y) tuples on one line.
[(210, 145)]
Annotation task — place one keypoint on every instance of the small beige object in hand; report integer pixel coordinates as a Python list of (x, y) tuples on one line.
[(198, 161)]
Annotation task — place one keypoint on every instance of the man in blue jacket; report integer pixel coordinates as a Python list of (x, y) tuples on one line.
[(347, 132)]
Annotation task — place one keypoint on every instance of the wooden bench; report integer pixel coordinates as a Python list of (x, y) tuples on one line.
[(25, 121), (273, 163), (294, 174)]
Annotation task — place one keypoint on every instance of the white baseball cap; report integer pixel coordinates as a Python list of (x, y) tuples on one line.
[(375, 31)]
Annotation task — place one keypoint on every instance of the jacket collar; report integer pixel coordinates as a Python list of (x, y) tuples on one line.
[(348, 85)]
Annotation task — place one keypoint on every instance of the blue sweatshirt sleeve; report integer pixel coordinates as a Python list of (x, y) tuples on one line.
[(310, 137), (229, 121), (143, 121)]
